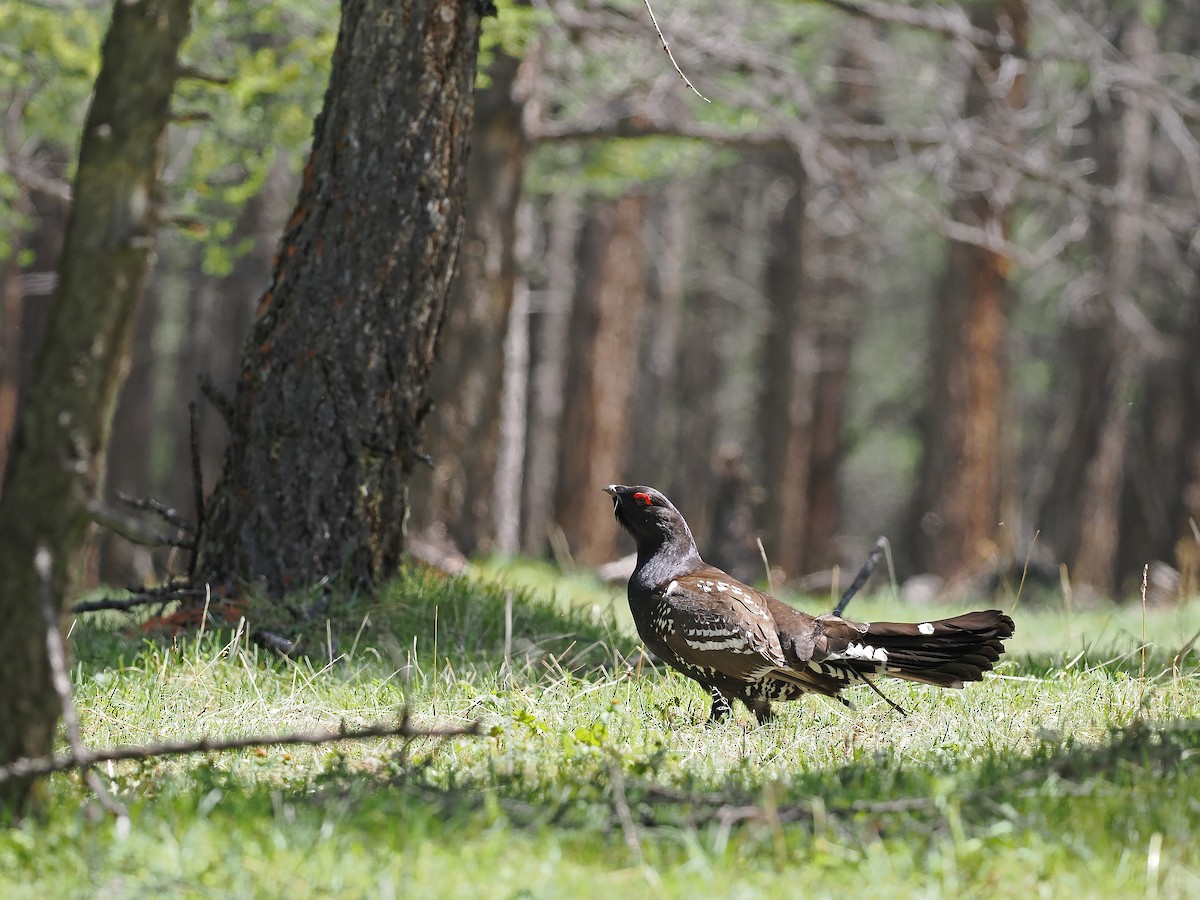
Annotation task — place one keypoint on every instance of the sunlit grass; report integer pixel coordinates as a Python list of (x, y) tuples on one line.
[(1073, 769)]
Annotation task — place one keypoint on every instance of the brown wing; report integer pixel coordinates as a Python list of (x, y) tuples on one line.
[(710, 622)]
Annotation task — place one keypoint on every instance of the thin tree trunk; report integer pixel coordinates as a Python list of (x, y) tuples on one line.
[(957, 504), (551, 340), (326, 418), (58, 454), (604, 376), (790, 365), (514, 403), (1120, 254), (12, 299)]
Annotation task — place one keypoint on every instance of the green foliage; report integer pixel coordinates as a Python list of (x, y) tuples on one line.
[(509, 32), (48, 60), (276, 57), (1069, 772)]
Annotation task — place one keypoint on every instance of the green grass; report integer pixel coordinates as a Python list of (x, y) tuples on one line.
[(1073, 771)]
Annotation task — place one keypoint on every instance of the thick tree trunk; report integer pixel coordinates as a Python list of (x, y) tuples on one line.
[(334, 375), (603, 376), (956, 511), (462, 434), (58, 454)]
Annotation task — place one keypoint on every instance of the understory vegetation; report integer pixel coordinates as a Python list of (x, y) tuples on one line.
[(1073, 769)]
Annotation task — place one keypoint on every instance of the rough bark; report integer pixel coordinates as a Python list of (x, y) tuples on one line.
[(58, 454), (958, 499), (462, 434), (603, 377), (332, 392)]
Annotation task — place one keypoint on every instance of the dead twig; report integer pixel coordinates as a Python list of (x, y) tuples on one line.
[(197, 486), (141, 597), (130, 527), (670, 55), (167, 513), (861, 578), (64, 762), (56, 653)]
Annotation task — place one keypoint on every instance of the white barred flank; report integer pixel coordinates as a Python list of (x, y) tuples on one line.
[(865, 652), (737, 643)]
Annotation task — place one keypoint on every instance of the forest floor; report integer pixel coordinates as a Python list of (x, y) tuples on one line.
[(1074, 771)]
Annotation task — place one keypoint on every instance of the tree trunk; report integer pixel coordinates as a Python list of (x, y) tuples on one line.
[(789, 366), (12, 299), (1082, 514), (551, 353), (326, 417), (462, 434), (958, 500), (58, 454), (603, 376)]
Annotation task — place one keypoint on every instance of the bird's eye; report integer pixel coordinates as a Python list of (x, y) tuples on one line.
[(643, 499)]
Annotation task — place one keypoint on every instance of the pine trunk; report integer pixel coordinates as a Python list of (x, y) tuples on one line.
[(956, 511), (59, 450), (328, 408), (603, 377)]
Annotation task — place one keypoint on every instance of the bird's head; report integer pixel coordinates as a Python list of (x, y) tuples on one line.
[(651, 519)]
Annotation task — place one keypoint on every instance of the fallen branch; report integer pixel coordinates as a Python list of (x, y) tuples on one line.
[(83, 758)]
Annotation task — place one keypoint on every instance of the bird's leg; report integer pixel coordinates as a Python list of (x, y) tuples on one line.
[(721, 706), (761, 709)]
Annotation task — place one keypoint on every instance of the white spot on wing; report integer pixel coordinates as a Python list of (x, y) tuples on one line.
[(925, 628)]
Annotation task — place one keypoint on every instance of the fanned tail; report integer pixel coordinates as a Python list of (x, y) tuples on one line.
[(943, 652)]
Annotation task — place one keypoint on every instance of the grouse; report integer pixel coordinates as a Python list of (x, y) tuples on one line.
[(743, 644)]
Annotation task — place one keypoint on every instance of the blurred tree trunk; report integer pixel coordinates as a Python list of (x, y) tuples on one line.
[(1083, 509), (603, 376), (550, 332), (1186, 509), (58, 455), (666, 232), (462, 434), (789, 370), (12, 301), (326, 418), (958, 499)]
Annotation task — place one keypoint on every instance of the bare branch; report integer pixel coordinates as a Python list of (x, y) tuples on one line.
[(141, 597), (194, 74), (216, 397), (670, 55), (167, 513), (61, 680), (64, 762), (129, 527)]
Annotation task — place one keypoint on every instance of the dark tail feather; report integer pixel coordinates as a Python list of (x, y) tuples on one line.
[(944, 652)]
